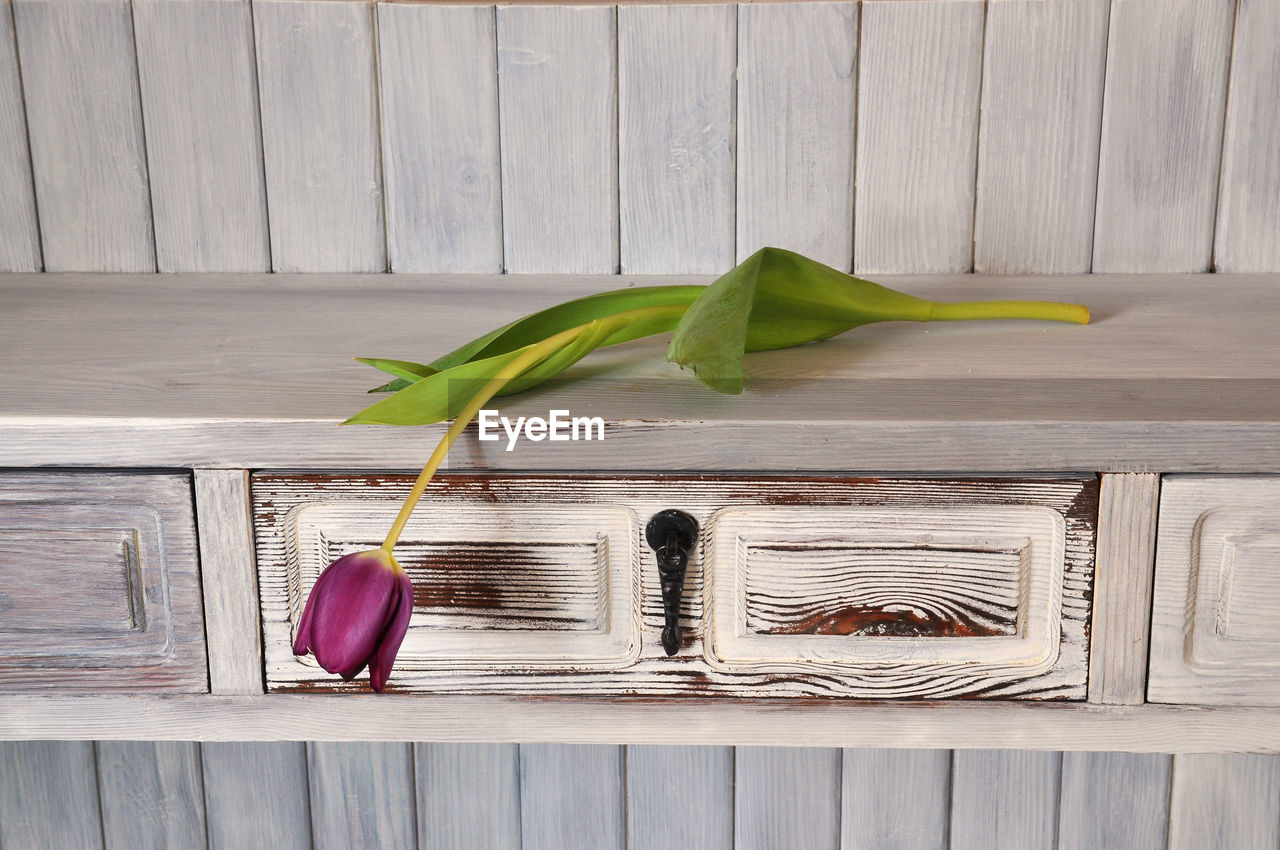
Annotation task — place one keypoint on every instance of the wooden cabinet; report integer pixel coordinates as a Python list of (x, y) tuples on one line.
[(99, 587), (1215, 630)]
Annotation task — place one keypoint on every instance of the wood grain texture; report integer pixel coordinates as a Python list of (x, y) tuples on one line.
[(559, 163), (1213, 622), (572, 797), (680, 797), (204, 144), (919, 81), (49, 796), (152, 795), (229, 579), (1125, 567), (1114, 800), (1161, 135), (19, 226), (895, 799), (468, 796), (256, 795), (317, 86), (439, 87), (1249, 192), (787, 798), (362, 795), (84, 120), (122, 546), (676, 89), (1042, 77), (796, 105), (1225, 801), (1004, 800)]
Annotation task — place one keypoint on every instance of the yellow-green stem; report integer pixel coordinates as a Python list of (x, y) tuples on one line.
[(1052, 310)]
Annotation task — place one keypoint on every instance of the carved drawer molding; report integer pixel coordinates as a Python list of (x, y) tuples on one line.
[(837, 587)]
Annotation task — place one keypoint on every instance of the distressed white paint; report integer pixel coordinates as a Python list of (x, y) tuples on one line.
[(1114, 800), (1122, 588), (1225, 801), (919, 77), (796, 104), (19, 229), (676, 87), (439, 86), (1249, 193), (362, 795), (256, 794), (152, 794), (1004, 800), (468, 796), (1213, 624), (895, 799), (317, 87), (84, 120), (787, 798), (1161, 135), (558, 102), (680, 797), (572, 797), (1042, 76)]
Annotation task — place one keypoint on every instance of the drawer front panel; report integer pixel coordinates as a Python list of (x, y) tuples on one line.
[(99, 588), (852, 587), (1215, 631)]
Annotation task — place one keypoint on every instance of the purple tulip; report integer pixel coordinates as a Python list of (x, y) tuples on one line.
[(357, 614)]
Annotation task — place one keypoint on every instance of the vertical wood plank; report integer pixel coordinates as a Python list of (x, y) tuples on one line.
[(919, 80), (1124, 571), (152, 795), (895, 799), (468, 796), (676, 85), (679, 797), (49, 795), (84, 117), (439, 85), (316, 79), (1249, 197), (571, 797), (362, 795), (1004, 799), (204, 146), (255, 795), (796, 104), (1114, 800), (1161, 135), (1043, 66), (229, 577), (787, 798), (1225, 801), (19, 230), (558, 101)]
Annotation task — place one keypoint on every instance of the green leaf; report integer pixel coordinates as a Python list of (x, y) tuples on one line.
[(406, 372)]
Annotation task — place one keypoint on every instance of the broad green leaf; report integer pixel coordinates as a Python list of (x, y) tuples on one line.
[(406, 372)]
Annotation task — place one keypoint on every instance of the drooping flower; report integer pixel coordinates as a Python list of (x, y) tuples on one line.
[(357, 615)]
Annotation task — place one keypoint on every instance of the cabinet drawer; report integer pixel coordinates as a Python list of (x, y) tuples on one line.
[(850, 587), (99, 588), (1215, 629)]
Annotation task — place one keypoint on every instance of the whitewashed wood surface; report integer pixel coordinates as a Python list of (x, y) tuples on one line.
[(19, 229)]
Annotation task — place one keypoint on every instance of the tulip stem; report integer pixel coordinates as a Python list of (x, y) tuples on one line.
[(949, 311)]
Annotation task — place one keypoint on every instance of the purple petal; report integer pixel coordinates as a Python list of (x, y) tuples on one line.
[(350, 609), (389, 644), (302, 640)]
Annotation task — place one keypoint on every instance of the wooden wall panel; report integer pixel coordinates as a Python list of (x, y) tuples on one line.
[(1225, 801), (256, 795), (1249, 197), (1004, 799), (468, 796), (1043, 66), (572, 797), (1114, 800), (895, 799), (362, 795), (49, 796), (676, 86), (787, 798), (84, 119), (152, 795), (19, 228), (796, 100), (317, 85), (439, 88), (918, 93), (1162, 124), (204, 144), (679, 797), (558, 102)]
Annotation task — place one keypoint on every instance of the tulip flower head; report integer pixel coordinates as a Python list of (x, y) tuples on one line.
[(357, 615)]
